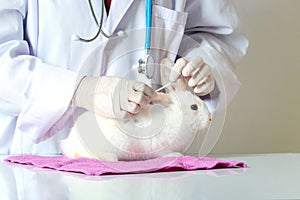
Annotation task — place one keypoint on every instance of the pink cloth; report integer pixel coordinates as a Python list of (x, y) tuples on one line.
[(97, 167)]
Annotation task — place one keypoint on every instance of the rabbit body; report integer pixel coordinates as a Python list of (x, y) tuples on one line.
[(164, 128)]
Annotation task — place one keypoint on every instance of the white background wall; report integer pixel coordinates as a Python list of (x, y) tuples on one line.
[(265, 115)]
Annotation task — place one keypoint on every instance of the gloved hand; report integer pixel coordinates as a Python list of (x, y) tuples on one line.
[(197, 74), (113, 97)]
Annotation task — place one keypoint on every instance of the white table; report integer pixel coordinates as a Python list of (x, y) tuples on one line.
[(269, 176)]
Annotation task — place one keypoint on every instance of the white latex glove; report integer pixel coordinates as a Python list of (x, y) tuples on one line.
[(197, 74), (113, 97)]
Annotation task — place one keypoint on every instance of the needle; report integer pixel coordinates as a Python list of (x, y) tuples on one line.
[(164, 86)]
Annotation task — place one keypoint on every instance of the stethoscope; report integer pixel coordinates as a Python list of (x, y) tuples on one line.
[(145, 64), (99, 24)]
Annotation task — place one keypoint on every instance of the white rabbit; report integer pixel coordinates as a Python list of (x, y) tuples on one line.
[(166, 127)]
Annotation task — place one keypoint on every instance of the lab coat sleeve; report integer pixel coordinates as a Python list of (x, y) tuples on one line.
[(38, 93), (212, 32)]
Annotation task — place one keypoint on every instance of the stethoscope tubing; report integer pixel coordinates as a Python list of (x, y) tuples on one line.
[(99, 24), (144, 66), (148, 24)]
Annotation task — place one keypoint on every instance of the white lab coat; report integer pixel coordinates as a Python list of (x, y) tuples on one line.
[(40, 64)]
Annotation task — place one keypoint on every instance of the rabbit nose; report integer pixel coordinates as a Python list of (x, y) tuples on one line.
[(208, 120)]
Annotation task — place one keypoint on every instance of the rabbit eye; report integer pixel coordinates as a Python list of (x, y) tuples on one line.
[(194, 107)]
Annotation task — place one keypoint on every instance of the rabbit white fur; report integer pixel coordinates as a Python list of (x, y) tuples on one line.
[(166, 127)]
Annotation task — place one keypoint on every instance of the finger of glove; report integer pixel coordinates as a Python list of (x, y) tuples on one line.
[(139, 98), (124, 103), (119, 101), (193, 64), (119, 113), (205, 87), (177, 69), (145, 89), (131, 107), (199, 76), (123, 115)]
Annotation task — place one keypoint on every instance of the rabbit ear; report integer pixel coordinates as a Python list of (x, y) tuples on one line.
[(165, 69), (181, 84)]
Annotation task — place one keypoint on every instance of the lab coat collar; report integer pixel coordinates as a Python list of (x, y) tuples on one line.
[(119, 9)]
